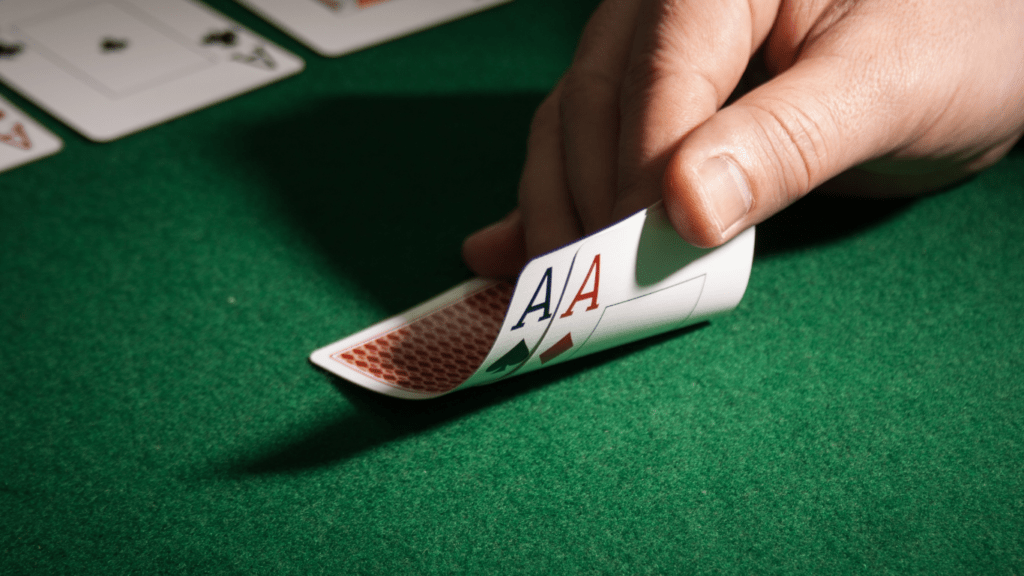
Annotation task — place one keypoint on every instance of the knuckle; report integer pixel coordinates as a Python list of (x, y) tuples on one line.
[(640, 75), (666, 53), (583, 84), (796, 136), (646, 77)]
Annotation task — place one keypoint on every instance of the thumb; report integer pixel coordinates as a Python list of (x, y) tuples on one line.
[(771, 147)]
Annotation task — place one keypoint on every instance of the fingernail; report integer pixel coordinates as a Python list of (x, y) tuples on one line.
[(726, 191)]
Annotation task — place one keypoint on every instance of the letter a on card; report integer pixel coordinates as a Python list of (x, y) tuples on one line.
[(534, 306), (600, 274), (595, 271), (539, 292)]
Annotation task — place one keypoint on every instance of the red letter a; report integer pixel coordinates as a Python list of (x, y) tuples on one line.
[(595, 269)]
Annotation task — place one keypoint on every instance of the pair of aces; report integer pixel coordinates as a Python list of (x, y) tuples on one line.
[(632, 280)]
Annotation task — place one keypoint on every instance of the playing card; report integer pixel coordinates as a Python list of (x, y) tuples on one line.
[(108, 68), (629, 281), (539, 289), (462, 337), (22, 139), (428, 350), (336, 27), (638, 279)]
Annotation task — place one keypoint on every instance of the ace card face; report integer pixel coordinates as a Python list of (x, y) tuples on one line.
[(108, 68), (632, 280), (638, 279), (337, 27), (22, 139)]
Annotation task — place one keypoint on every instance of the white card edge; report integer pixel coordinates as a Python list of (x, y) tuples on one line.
[(337, 50), (322, 356)]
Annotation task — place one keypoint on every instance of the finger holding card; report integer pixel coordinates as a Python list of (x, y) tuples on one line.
[(632, 280), (22, 139), (112, 67)]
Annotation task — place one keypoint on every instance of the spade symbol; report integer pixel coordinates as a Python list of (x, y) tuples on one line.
[(224, 38), (10, 50), (109, 44), (517, 355)]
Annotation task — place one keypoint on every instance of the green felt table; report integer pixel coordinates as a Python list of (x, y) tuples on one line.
[(861, 411)]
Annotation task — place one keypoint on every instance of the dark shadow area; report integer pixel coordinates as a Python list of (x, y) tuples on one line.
[(387, 187), (822, 219), (378, 419)]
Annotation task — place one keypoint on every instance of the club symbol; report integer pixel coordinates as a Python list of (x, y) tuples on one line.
[(259, 58), (109, 45), (10, 50), (224, 38)]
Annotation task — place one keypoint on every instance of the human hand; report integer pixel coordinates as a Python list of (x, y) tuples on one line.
[(917, 93)]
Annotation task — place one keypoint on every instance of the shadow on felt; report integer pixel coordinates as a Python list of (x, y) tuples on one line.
[(819, 219), (378, 419)]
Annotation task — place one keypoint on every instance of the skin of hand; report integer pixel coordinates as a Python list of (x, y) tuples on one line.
[(870, 97)]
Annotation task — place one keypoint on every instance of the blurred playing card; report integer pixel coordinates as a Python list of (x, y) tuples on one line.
[(110, 68), (336, 27), (22, 139)]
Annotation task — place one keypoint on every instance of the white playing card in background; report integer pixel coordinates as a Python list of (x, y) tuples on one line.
[(108, 68), (629, 281), (336, 27), (22, 139)]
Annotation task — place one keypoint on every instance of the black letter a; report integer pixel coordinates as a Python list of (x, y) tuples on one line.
[(545, 281)]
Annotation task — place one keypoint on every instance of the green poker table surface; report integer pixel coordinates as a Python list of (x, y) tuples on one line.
[(861, 411)]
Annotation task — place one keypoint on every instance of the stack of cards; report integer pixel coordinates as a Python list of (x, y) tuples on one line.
[(108, 68), (632, 280), (336, 27)]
